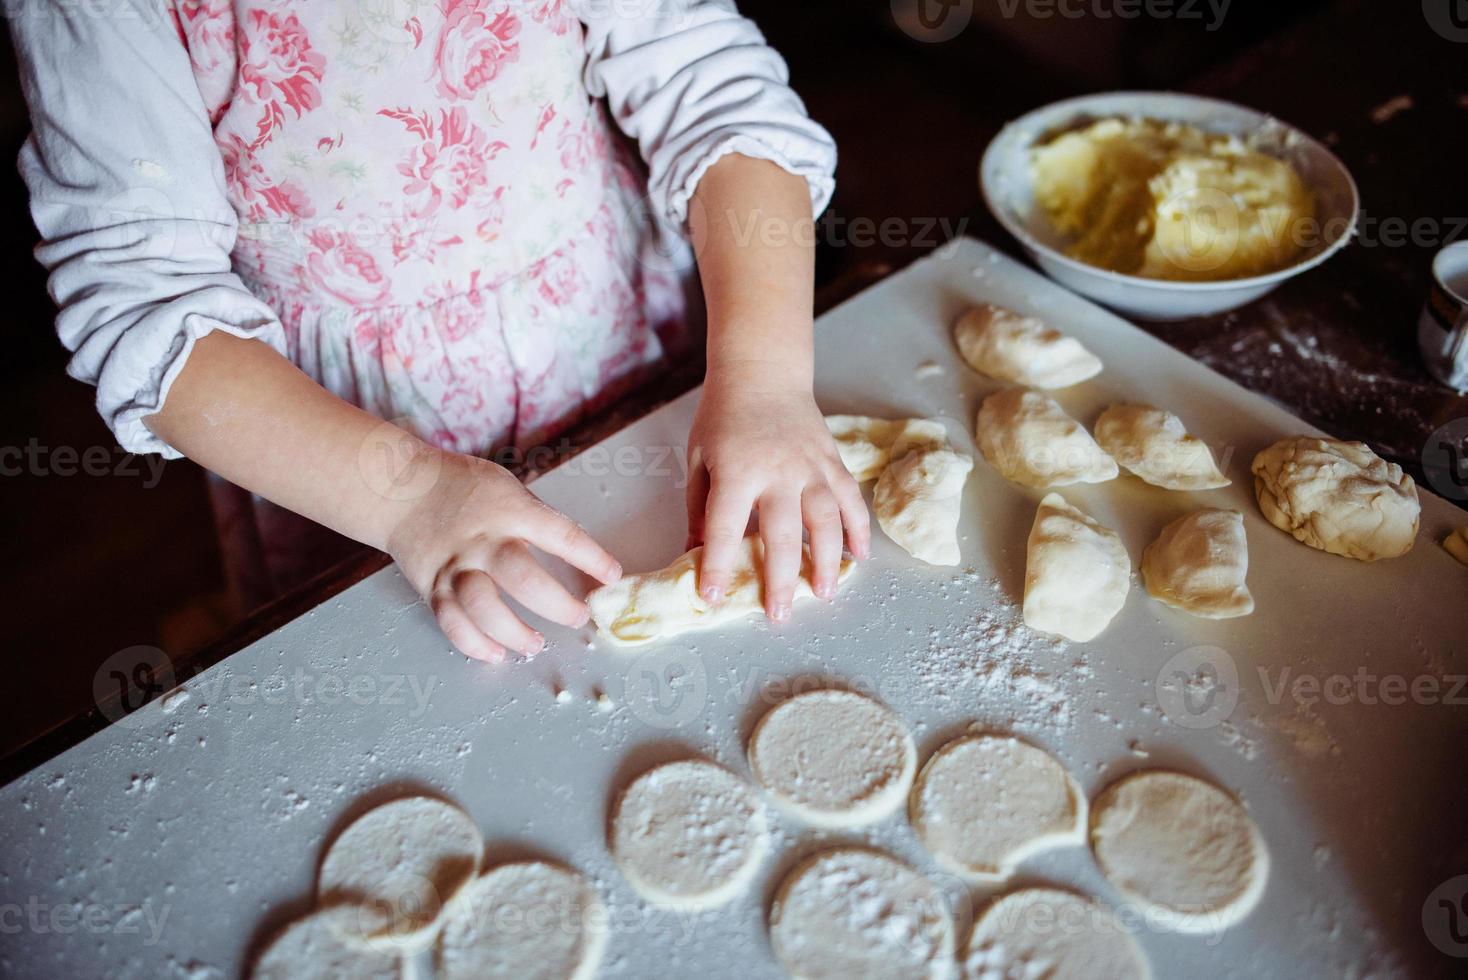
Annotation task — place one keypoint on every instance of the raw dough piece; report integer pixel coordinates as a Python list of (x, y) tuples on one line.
[(1184, 849), (663, 604), (1456, 544), (1029, 439), (1337, 496), (918, 500), (530, 921), (1077, 572), (314, 948), (1155, 446), (1044, 932), (688, 834), (1198, 564), (835, 758), (1022, 349), (856, 914), (866, 444), (402, 862), (984, 803)]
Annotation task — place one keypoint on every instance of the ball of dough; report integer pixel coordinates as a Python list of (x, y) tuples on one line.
[(866, 445), (1198, 564), (1337, 496), (1182, 848), (1022, 349), (984, 803), (1456, 544), (1044, 932), (835, 758), (1155, 446), (1077, 573), (401, 862), (854, 912), (918, 500), (321, 946), (530, 920), (688, 834), (1029, 439)]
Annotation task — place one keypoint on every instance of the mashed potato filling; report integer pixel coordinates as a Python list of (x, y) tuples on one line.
[(1170, 201)]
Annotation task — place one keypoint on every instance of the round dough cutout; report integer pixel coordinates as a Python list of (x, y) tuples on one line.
[(530, 920), (854, 912), (984, 803), (1058, 935), (315, 947), (688, 834), (1182, 848), (834, 758), (401, 863)]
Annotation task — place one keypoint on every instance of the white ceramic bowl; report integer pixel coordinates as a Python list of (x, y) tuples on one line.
[(1004, 177)]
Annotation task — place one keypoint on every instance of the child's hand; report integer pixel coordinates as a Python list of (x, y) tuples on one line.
[(468, 539), (762, 444)]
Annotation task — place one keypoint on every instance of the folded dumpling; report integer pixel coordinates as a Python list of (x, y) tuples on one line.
[(1022, 349), (1198, 564), (1077, 572), (1029, 439), (1156, 446), (866, 444), (918, 499)]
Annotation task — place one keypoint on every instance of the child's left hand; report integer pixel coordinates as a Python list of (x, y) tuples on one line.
[(761, 443)]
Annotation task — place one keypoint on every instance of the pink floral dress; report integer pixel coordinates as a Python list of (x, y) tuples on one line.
[(422, 203)]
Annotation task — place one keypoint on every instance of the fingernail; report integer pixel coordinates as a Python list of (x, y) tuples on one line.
[(536, 644), (615, 572), (780, 613), (825, 590), (713, 594), (583, 618)]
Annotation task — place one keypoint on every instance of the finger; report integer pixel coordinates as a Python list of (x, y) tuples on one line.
[(556, 534), (854, 515), (822, 516), (779, 528), (724, 523), (461, 631), (480, 598), (516, 571), (697, 498)]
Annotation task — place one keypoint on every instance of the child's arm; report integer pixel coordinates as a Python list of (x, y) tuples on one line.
[(758, 440), (457, 526)]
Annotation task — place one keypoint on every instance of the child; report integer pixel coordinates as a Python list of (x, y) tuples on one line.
[(270, 224)]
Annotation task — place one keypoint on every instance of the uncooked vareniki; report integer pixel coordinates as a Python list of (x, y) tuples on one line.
[(1077, 572), (1456, 544), (1011, 347), (662, 604), (1155, 446), (917, 501), (1198, 564), (1337, 496), (1029, 439), (867, 444)]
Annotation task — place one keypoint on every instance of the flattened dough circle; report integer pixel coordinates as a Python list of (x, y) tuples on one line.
[(834, 758), (1055, 934), (401, 862), (983, 803), (314, 947), (530, 920), (1183, 848), (854, 912), (688, 834)]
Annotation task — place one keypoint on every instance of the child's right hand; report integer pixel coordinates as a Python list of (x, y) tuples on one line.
[(468, 539)]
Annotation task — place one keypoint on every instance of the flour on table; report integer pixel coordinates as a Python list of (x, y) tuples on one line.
[(316, 948), (688, 834), (834, 758), (1183, 848), (1057, 935), (983, 803), (854, 912), (401, 862), (530, 920)]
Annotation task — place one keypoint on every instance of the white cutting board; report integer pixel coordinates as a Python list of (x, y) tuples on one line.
[(184, 835)]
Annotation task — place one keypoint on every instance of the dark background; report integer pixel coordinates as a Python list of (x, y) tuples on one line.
[(93, 564)]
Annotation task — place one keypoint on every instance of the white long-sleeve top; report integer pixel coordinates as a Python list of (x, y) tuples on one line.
[(200, 165)]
